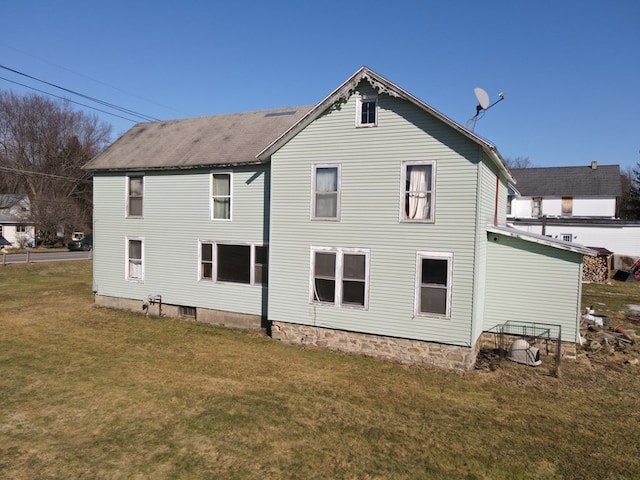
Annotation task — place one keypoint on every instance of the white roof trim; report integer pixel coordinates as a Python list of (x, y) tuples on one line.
[(542, 240), (383, 86)]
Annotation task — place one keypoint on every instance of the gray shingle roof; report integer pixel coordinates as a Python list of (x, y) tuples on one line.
[(231, 139), (604, 181)]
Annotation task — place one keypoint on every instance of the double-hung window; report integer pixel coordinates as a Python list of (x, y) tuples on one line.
[(367, 111), (234, 263), (418, 192), (433, 284), (135, 195), (536, 207), (325, 202), (340, 276), (135, 259), (221, 194)]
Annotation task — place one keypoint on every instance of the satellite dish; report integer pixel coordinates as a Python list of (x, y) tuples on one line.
[(482, 96)]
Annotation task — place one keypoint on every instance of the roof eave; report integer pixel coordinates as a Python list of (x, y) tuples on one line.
[(539, 239)]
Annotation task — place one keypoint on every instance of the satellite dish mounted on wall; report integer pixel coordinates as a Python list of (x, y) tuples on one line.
[(483, 104)]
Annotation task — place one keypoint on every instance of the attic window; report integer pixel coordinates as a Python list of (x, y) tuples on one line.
[(366, 111), (280, 114)]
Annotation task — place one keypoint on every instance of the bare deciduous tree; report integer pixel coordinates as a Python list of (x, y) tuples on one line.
[(43, 144), (519, 162)]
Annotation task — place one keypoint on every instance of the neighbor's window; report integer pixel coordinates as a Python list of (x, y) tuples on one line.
[(536, 207), (221, 196), (418, 197), (135, 190), (21, 229), (366, 111), (433, 284), (340, 276), (245, 263), (135, 264), (567, 237), (326, 192), (567, 206)]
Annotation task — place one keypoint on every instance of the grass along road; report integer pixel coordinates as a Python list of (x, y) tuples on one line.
[(94, 393)]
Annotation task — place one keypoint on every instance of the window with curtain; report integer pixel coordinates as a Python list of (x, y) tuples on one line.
[(326, 192), (418, 191), (221, 196), (135, 189), (135, 269), (433, 284), (340, 276)]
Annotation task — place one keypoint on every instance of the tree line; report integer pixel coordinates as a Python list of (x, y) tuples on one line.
[(43, 145)]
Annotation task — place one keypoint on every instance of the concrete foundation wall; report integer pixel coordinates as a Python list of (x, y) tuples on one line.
[(385, 348), (217, 317)]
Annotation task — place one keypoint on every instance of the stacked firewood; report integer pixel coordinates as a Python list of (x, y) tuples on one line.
[(595, 269)]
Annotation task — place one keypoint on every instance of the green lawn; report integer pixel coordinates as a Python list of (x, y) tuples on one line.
[(99, 394)]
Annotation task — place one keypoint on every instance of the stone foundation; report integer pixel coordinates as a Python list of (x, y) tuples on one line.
[(385, 348), (217, 317)]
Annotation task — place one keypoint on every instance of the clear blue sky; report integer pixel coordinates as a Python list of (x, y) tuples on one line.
[(570, 68)]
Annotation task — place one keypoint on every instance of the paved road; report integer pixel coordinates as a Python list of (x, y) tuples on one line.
[(53, 256)]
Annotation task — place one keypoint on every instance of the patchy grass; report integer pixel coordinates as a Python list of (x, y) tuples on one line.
[(94, 393)]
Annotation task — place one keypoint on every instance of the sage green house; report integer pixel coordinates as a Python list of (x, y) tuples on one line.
[(370, 223)]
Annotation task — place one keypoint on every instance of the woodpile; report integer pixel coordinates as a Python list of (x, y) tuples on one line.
[(596, 269)]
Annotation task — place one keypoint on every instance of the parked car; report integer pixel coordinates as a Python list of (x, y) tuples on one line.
[(85, 243)]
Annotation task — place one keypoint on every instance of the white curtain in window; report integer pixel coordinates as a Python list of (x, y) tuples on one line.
[(419, 200), (222, 196), (326, 192), (135, 259)]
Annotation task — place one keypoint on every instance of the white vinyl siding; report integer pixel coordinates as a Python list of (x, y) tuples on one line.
[(549, 292), (369, 217), (180, 202)]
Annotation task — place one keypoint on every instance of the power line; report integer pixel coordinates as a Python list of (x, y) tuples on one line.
[(82, 95), (68, 100), (48, 175)]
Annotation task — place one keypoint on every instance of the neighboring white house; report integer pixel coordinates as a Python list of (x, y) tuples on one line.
[(15, 226), (573, 204), (370, 223)]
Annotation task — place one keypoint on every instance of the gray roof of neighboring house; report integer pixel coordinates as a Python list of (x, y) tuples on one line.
[(603, 181), (231, 139), (8, 200)]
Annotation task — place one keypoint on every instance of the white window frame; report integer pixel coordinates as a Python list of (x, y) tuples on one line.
[(339, 276), (230, 196), (314, 193), (128, 178), (21, 228), (403, 191), (127, 260), (253, 280), (366, 98), (422, 255), (566, 237)]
